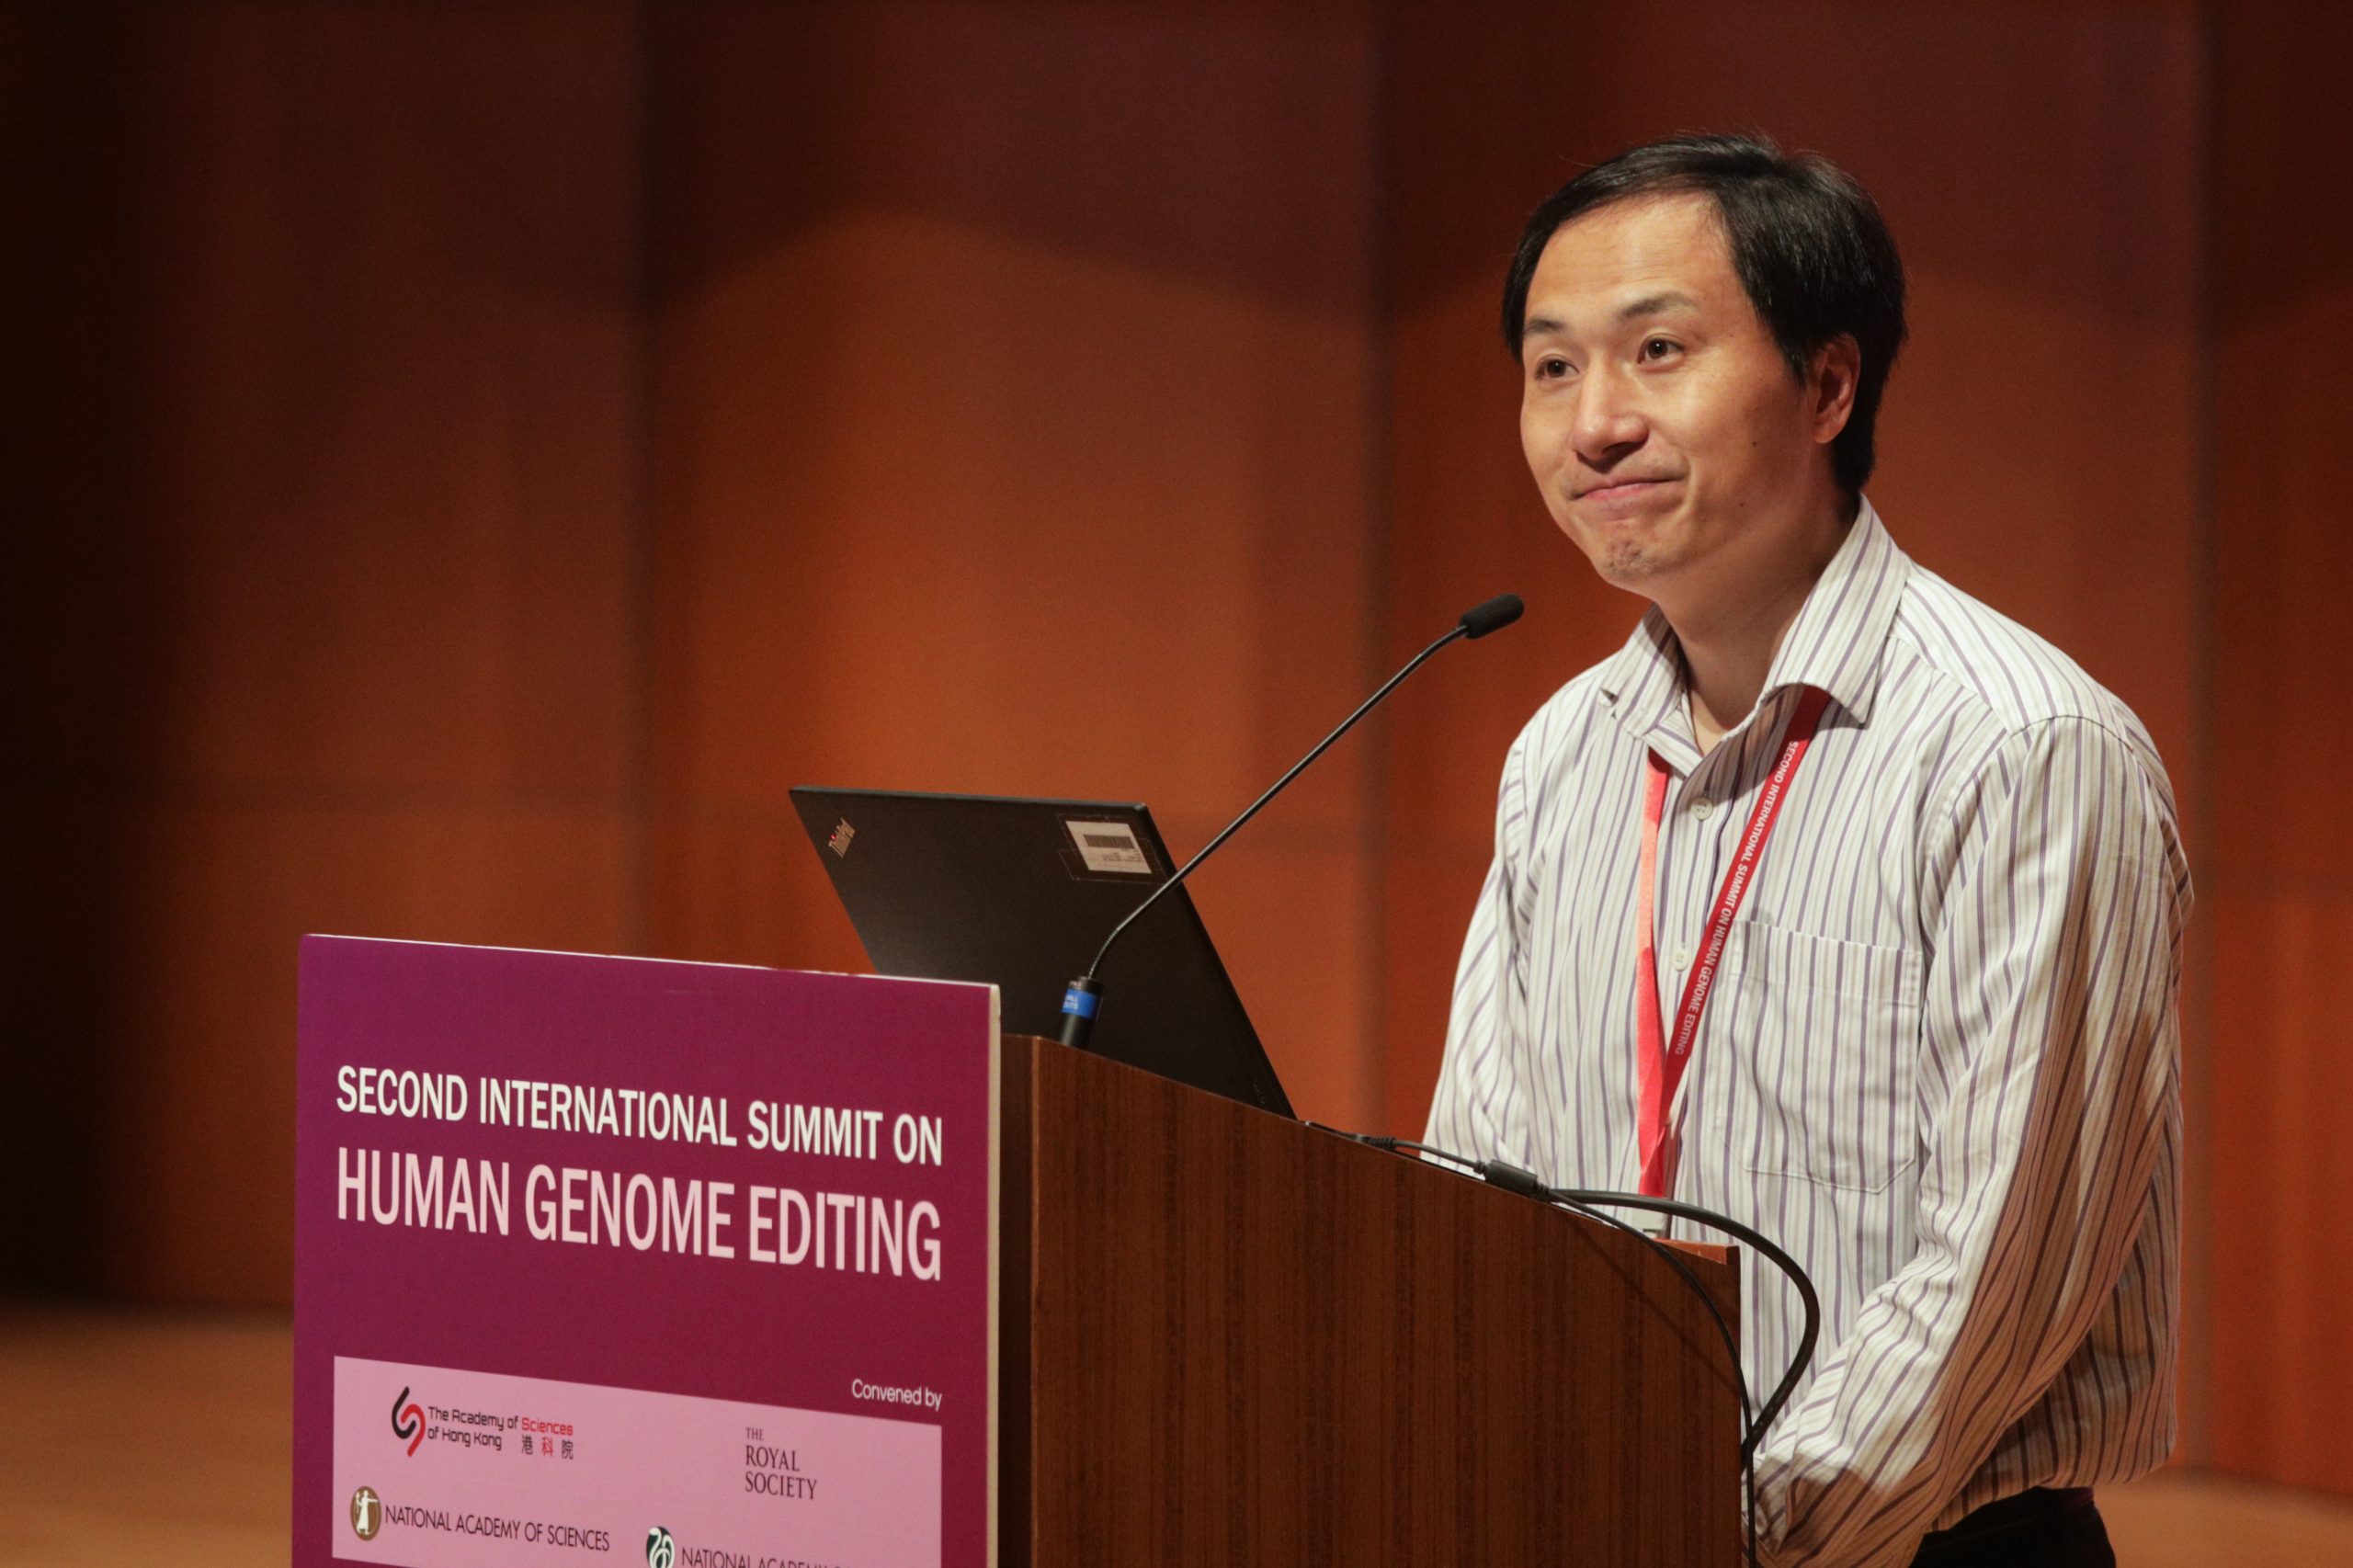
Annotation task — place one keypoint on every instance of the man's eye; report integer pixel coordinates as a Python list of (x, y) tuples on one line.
[(1658, 348), (1551, 368)]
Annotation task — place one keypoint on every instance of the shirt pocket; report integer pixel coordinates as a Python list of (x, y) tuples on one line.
[(1826, 1037)]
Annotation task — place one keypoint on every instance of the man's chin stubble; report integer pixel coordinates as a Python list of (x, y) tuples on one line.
[(1628, 565), (1621, 562)]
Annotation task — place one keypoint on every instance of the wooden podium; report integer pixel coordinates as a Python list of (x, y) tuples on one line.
[(1232, 1339)]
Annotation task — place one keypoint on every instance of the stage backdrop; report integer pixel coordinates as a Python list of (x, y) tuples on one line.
[(471, 460)]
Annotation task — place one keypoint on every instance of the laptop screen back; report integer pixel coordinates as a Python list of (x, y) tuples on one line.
[(1020, 893)]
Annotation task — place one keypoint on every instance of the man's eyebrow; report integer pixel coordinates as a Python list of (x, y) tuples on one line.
[(1652, 304), (1648, 305)]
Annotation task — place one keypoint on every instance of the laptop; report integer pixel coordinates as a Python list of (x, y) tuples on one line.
[(1020, 893)]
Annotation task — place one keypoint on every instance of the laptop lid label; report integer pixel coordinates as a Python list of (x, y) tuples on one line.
[(1109, 846)]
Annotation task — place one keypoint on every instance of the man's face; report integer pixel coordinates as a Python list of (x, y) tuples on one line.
[(1660, 420)]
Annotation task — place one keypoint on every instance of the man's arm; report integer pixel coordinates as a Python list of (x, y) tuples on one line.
[(1478, 1104), (2050, 1064)]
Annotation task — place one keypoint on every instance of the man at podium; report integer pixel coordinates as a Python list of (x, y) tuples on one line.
[(1834, 900)]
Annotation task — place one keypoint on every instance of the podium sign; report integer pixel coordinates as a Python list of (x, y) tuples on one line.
[(611, 1261)]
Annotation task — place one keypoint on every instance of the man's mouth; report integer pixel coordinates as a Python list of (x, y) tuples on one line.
[(1620, 489)]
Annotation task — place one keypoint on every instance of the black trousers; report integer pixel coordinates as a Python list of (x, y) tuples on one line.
[(2041, 1529)]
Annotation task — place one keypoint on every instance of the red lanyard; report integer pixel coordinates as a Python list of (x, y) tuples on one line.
[(1659, 1060)]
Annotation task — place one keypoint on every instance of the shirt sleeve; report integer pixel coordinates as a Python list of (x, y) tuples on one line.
[(2050, 1075), (1479, 1108)]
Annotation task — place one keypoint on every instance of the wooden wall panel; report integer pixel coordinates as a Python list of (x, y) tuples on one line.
[(2283, 882), (1011, 436), (76, 639), (361, 505), (2283, 1312), (196, 1160), (391, 323)]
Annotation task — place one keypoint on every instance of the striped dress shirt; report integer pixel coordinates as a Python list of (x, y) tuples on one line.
[(1940, 1065)]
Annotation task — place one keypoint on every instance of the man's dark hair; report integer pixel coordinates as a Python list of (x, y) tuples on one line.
[(1807, 241)]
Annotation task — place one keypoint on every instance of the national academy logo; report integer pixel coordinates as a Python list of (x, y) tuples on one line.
[(661, 1551), (367, 1512)]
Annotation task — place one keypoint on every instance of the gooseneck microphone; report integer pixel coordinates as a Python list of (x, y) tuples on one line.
[(1085, 997)]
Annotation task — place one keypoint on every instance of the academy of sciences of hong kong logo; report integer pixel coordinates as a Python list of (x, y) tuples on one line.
[(661, 1551), (408, 1421), (367, 1512)]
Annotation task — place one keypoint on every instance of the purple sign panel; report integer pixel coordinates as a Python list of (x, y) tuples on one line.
[(611, 1261)]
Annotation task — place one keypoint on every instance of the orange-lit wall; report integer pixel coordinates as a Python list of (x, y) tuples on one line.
[(470, 460), (1012, 431), (2278, 902), (486, 455), (322, 390)]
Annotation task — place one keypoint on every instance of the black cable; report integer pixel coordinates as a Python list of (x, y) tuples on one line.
[(1755, 1431), (1773, 1254), (1512, 1178), (1517, 1180), (1496, 1173), (1707, 1299)]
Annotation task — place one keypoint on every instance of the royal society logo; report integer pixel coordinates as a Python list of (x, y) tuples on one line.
[(367, 1512), (408, 1420), (661, 1551)]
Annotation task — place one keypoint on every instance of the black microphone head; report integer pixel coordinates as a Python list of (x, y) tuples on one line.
[(1492, 616)]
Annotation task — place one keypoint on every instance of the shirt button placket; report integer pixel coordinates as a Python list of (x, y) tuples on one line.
[(1696, 861)]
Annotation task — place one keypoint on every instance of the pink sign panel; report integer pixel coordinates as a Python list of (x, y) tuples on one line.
[(616, 1260), (498, 1469)]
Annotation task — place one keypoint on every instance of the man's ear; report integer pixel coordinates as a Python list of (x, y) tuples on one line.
[(1830, 388)]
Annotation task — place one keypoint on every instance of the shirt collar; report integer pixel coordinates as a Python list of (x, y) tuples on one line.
[(1836, 642)]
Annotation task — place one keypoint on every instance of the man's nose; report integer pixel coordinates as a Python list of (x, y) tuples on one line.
[(1609, 419)]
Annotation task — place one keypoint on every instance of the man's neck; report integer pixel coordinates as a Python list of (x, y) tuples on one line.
[(1728, 649)]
